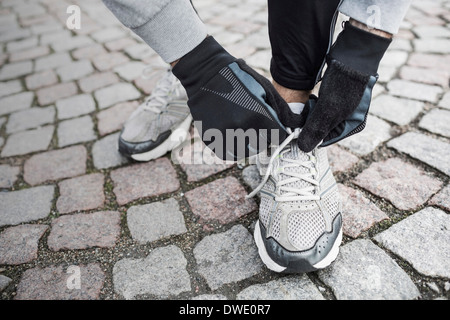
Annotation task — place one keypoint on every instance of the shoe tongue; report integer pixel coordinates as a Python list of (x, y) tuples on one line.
[(295, 153)]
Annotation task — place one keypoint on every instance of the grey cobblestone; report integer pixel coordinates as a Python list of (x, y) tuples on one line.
[(227, 257), (50, 283), (376, 132), (75, 131), (398, 110), (30, 118), (116, 93), (427, 149), (290, 288), (105, 153), (16, 102), (8, 175), (20, 244), (15, 70), (75, 106), (55, 165), (75, 70), (155, 221), (414, 90), (4, 282), (29, 141), (364, 271), (423, 240), (161, 273), (81, 231), (10, 87), (437, 121), (25, 205)]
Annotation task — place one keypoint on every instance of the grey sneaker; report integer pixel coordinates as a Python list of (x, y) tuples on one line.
[(300, 222), (158, 125)]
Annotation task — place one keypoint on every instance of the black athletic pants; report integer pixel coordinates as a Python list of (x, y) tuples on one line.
[(300, 32)]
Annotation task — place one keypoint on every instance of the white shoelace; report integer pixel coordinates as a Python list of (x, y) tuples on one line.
[(289, 193), (164, 88)]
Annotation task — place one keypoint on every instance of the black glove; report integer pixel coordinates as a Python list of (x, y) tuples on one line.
[(346, 89), (243, 110)]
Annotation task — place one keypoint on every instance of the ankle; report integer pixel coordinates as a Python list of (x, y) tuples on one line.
[(290, 95)]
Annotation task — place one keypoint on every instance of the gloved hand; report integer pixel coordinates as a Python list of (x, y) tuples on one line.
[(237, 112), (346, 89)]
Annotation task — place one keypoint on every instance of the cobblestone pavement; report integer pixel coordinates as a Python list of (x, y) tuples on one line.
[(78, 221)]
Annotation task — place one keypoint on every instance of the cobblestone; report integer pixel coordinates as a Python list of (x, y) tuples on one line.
[(8, 175), (144, 180), (405, 185), (162, 273), (199, 162), (105, 154), (58, 283), (113, 118), (39, 80), (359, 213), (437, 121), (55, 165), (82, 231), (427, 149), (16, 102), (227, 257), (52, 61), (423, 240), (4, 282), (155, 221), (29, 54), (16, 70), (291, 288), (222, 200), (81, 193), (25, 142), (25, 205), (340, 160), (397, 110), (30, 118), (115, 93), (364, 271), (51, 94), (75, 106), (75, 70), (375, 132), (414, 90), (10, 87), (20, 244), (75, 131), (97, 81), (442, 199)]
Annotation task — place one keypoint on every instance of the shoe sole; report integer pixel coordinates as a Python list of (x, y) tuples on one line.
[(272, 265), (177, 137)]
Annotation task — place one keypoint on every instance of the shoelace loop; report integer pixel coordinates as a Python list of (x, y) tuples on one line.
[(291, 193), (165, 87)]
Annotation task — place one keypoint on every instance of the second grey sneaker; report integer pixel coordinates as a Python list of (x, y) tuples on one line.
[(300, 222), (158, 125)]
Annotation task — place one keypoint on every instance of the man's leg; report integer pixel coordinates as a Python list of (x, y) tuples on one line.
[(300, 34)]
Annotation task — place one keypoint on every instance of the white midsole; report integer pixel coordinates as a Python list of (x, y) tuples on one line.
[(177, 137), (272, 265)]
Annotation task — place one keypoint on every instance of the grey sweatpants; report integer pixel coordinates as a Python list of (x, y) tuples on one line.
[(172, 28)]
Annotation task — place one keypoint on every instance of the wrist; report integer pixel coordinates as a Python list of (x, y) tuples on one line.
[(365, 27)]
